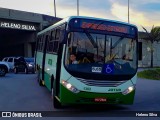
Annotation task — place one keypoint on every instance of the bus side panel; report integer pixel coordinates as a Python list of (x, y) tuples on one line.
[(50, 69), (46, 38), (39, 57)]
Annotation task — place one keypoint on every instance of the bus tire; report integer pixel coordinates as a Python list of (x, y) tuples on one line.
[(40, 82), (38, 79), (52, 80), (56, 103)]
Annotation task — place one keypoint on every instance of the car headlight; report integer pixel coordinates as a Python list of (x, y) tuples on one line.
[(128, 90), (70, 87), (30, 65)]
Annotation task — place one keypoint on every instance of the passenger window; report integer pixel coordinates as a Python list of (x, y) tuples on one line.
[(53, 39), (57, 34), (37, 43), (40, 43), (10, 60), (53, 42), (50, 42), (56, 46), (5, 59), (53, 35)]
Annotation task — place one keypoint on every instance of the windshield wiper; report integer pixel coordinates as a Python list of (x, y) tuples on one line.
[(117, 42), (91, 39)]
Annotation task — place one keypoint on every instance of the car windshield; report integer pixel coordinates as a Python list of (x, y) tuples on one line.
[(29, 59), (100, 54)]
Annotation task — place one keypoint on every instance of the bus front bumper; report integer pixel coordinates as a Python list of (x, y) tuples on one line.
[(68, 97)]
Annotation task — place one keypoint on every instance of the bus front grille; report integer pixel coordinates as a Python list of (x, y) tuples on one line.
[(101, 83)]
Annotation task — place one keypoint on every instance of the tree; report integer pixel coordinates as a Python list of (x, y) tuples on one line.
[(152, 36)]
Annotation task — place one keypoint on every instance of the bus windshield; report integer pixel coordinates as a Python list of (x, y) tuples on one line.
[(100, 54)]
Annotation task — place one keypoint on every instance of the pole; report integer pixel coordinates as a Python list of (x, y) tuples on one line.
[(128, 11), (54, 8), (77, 7)]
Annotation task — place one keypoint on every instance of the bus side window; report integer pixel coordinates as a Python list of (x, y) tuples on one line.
[(56, 41), (49, 43), (57, 34), (47, 38), (53, 34), (40, 43), (37, 45), (50, 40), (62, 33), (43, 41)]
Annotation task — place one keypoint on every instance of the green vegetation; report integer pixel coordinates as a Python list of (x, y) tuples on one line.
[(153, 74)]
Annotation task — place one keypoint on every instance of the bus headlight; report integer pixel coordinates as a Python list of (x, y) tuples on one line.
[(70, 87), (128, 90)]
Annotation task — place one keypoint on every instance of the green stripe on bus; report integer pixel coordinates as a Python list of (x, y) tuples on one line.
[(68, 97)]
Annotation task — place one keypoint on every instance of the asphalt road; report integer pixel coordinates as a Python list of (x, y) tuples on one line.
[(20, 92)]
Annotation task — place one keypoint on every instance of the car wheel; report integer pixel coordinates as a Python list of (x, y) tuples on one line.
[(26, 71), (2, 71), (33, 72), (15, 70)]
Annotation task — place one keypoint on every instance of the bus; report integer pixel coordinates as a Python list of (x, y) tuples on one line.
[(86, 60)]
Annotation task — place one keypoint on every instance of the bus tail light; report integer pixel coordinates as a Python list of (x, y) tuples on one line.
[(70, 87), (128, 90)]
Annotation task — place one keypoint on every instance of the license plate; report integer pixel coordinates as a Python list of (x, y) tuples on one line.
[(100, 100)]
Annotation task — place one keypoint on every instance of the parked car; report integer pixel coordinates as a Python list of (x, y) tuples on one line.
[(10, 61), (4, 68), (24, 65), (31, 64)]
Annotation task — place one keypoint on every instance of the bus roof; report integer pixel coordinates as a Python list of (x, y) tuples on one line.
[(67, 19)]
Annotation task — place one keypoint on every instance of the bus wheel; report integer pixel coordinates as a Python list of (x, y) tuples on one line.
[(40, 82), (38, 79), (56, 103), (52, 80)]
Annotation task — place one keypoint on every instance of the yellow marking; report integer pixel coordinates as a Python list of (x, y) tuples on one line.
[(42, 82), (57, 98)]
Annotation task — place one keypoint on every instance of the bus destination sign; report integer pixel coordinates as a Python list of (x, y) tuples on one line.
[(105, 27)]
